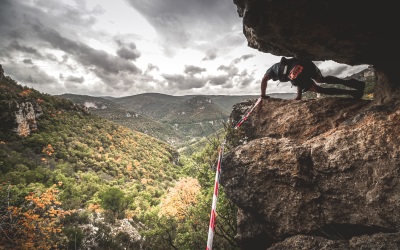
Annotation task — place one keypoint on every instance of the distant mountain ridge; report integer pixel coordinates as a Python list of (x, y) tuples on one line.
[(178, 120)]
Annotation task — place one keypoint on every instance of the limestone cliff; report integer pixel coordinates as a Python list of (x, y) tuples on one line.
[(315, 174), (26, 114), (21, 113), (323, 173), (21, 107)]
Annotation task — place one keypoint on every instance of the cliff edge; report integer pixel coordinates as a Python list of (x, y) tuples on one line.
[(323, 173), (315, 174)]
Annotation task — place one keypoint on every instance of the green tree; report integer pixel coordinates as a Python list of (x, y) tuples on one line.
[(113, 199)]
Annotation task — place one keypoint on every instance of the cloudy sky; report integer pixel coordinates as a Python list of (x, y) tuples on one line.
[(127, 47)]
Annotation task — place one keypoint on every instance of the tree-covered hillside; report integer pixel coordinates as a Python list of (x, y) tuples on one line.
[(110, 110), (177, 120), (72, 180)]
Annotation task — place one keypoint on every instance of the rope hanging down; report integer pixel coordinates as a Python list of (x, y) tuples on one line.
[(216, 183)]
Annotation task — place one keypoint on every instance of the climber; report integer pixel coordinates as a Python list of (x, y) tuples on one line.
[(303, 74)]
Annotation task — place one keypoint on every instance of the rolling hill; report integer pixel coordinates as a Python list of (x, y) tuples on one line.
[(177, 120), (110, 110)]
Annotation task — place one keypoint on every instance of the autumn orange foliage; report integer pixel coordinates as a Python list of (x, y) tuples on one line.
[(25, 92), (48, 150), (37, 224), (180, 198)]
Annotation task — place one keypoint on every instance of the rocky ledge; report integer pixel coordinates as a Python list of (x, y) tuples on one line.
[(315, 174)]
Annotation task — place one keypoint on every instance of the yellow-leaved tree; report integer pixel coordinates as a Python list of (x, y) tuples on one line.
[(36, 224), (180, 198)]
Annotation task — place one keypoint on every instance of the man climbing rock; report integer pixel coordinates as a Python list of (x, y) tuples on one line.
[(304, 74)]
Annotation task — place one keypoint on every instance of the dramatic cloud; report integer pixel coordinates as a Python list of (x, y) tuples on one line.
[(211, 54), (150, 68), (30, 74), (29, 50), (86, 55), (128, 51), (183, 83), (75, 79), (242, 58), (127, 47), (219, 80), (27, 61), (192, 70), (183, 22), (335, 71)]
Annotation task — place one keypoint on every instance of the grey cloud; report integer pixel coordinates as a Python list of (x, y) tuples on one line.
[(150, 68), (210, 55), (244, 79), (75, 79), (29, 75), (218, 80), (86, 55), (192, 70), (51, 57), (232, 39), (27, 61), (232, 78), (128, 51), (184, 83), (66, 13), (242, 58), (128, 54), (17, 16), (30, 50), (248, 56), (334, 71), (180, 21), (231, 70)]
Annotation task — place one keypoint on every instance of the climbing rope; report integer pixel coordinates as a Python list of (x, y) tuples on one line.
[(247, 114), (216, 182)]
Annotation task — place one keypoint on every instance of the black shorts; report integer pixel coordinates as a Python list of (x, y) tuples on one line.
[(305, 79)]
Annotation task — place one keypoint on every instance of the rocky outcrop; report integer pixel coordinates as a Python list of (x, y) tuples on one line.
[(23, 113), (26, 117), (315, 174), (319, 174), (199, 100), (350, 32)]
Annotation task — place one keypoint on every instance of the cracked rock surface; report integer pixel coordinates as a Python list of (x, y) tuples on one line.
[(350, 32), (315, 174)]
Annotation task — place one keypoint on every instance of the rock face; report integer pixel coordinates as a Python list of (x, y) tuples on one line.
[(315, 174), (23, 112), (199, 100), (25, 117), (351, 32)]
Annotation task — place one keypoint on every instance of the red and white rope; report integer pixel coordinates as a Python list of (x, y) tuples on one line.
[(214, 202), (216, 184)]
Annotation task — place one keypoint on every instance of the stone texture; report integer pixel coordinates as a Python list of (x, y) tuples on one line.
[(351, 32), (25, 118), (323, 173)]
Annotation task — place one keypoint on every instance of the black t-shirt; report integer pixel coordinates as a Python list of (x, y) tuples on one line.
[(304, 80), (280, 71), (273, 72)]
